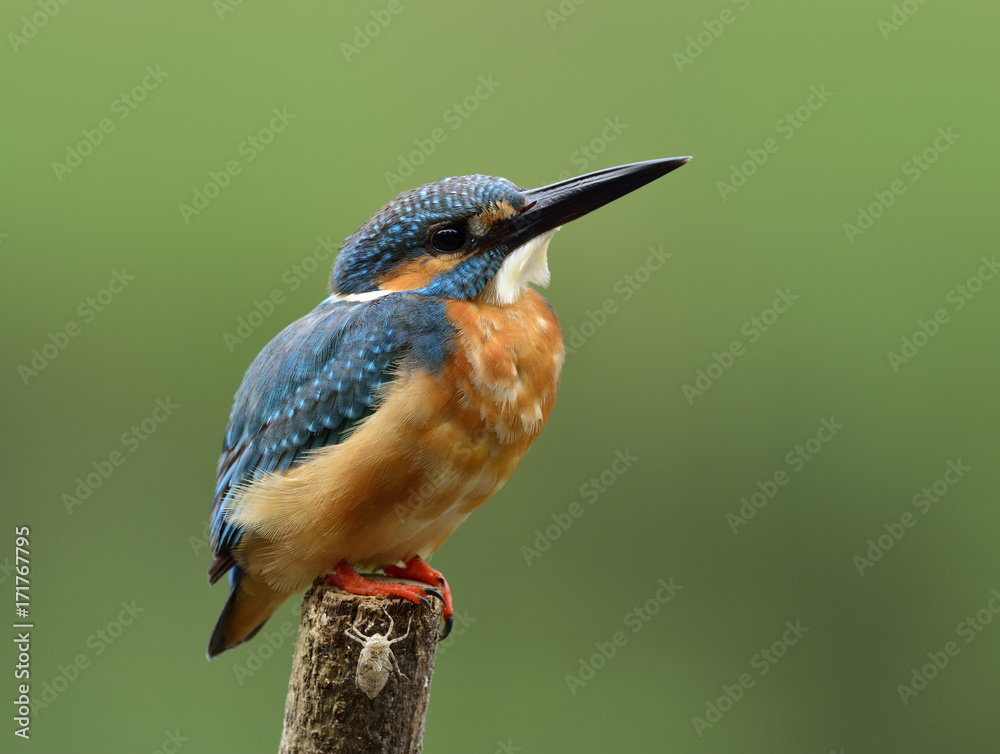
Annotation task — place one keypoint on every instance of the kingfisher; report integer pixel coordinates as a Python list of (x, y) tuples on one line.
[(365, 432)]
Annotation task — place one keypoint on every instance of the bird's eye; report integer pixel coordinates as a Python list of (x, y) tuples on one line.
[(448, 239)]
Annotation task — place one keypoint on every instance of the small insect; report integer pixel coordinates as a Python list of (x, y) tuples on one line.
[(376, 659)]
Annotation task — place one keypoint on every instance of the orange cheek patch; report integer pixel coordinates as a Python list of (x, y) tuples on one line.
[(416, 273)]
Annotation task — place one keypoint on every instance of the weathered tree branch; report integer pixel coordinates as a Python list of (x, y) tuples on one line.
[(326, 711)]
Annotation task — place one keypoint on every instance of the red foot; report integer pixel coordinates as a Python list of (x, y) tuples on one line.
[(352, 582), (418, 570)]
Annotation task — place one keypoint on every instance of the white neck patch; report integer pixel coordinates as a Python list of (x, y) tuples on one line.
[(358, 297), (528, 263)]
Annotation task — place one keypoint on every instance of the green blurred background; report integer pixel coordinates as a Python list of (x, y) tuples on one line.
[(713, 80)]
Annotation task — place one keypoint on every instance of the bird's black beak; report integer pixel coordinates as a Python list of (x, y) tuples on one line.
[(550, 206)]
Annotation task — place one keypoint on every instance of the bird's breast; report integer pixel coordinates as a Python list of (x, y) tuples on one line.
[(441, 443), (505, 370), (458, 434)]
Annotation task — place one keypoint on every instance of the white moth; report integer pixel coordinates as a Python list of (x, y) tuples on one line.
[(376, 659)]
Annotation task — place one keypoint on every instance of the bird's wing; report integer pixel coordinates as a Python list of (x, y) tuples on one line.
[(311, 385)]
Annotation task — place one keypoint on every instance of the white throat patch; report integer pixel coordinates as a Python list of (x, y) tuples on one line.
[(528, 263)]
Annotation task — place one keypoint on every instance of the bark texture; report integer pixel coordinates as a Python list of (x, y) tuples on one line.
[(326, 711)]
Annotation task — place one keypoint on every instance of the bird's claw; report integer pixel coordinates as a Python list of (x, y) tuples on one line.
[(448, 622), (433, 593), (352, 582), (418, 570), (346, 578)]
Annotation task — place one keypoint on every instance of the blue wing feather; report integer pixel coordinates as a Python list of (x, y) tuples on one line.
[(312, 384)]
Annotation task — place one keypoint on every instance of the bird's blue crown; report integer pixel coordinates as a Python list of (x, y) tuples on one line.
[(400, 230)]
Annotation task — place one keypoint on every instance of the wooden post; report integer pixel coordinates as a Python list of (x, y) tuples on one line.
[(326, 711)]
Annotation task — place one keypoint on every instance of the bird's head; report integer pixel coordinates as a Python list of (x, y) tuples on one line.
[(475, 236)]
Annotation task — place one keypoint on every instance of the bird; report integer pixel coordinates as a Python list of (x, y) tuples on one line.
[(365, 432)]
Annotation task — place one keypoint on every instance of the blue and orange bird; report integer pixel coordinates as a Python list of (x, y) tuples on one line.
[(368, 430)]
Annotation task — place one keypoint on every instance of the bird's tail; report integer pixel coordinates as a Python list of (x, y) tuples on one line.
[(251, 602)]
